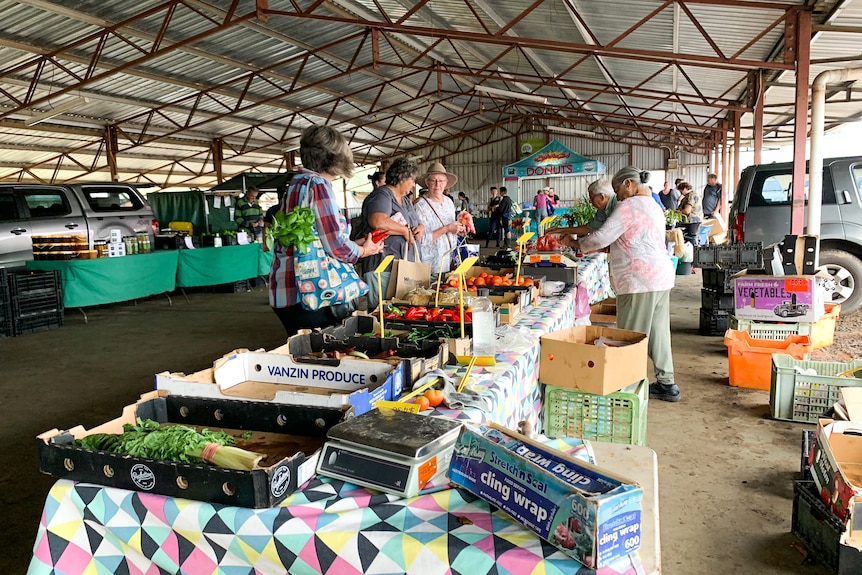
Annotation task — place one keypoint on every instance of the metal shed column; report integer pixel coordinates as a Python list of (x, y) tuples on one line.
[(800, 128)]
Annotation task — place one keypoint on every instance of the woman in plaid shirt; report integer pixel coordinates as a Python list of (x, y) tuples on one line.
[(325, 156)]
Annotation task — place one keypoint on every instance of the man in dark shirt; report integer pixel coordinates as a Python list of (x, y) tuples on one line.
[(504, 213), (494, 221), (711, 197)]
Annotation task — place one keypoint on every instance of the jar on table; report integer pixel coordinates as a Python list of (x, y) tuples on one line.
[(101, 247)]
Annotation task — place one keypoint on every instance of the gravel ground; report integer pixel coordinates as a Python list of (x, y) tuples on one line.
[(848, 340)]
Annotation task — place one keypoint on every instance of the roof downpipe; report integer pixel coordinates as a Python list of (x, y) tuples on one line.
[(815, 165)]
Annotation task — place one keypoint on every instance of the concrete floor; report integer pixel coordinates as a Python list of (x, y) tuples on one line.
[(725, 468)]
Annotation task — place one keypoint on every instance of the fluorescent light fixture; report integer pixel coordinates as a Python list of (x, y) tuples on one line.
[(55, 111), (514, 95), (574, 131)]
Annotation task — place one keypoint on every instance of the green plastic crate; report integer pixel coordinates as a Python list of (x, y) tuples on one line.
[(795, 396), (619, 417)]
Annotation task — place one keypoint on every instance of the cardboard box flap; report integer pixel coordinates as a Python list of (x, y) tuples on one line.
[(852, 397)]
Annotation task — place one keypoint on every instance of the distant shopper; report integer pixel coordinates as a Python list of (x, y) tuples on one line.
[(493, 222), (270, 215), (465, 204), (712, 197), (690, 203), (669, 197), (248, 215), (635, 232), (504, 214), (602, 198), (541, 204), (377, 179)]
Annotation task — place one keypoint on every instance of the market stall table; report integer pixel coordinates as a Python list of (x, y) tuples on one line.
[(328, 527), (594, 277), (111, 280), (213, 266)]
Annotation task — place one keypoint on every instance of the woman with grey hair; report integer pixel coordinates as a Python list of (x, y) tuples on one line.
[(642, 274), (325, 156), (389, 209), (602, 198)]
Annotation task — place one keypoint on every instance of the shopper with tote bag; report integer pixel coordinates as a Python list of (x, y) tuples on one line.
[(437, 212), (313, 285)]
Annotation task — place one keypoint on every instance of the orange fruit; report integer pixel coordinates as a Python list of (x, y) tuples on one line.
[(507, 282), (483, 275), (434, 397), (497, 280), (453, 283), (480, 281), (471, 281), (423, 402)]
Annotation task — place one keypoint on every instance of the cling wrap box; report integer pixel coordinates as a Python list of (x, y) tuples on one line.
[(587, 513)]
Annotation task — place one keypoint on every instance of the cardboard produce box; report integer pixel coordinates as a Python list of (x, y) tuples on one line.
[(836, 467), (508, 306), (604, 312), (569, 358), (274, 376), (797, 298), (290, 435), (588, 513)]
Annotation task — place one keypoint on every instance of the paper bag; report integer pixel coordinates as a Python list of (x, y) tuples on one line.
[(408, 275)]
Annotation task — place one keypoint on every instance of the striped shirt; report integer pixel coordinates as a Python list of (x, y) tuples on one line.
[(331, 226)]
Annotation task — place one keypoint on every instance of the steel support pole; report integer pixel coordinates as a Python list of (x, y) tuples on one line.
[(800, 128), (758, 118), (111, 148)]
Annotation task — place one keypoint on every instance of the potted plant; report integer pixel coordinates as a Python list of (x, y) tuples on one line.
[(579, 215)]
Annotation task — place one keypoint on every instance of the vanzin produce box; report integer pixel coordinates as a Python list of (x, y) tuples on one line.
[(275, 376), (290, 436), (836, 467), (586, 512), (779, 298)]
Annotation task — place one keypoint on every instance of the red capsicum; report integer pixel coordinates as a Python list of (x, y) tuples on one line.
[(417, 312)]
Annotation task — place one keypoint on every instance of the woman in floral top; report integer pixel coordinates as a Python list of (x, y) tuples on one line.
[(643, 276), (437, 213)]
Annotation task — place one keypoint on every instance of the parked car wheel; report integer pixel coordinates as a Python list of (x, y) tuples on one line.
[(846, 271)]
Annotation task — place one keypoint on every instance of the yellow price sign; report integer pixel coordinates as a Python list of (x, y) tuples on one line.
[(525, 237), (384, 264), (408, 407), (465, 265), (547, 220)]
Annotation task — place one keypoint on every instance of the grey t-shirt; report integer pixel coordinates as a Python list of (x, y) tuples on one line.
[(382, 200), (711, 197)]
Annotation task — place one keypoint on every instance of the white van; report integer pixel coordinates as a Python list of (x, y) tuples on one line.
[(42, 209)]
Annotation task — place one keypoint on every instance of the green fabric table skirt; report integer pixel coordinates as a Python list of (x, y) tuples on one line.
[(213, 266), (264, 263), (111, 280)]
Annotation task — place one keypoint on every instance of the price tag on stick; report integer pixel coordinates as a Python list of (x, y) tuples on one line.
[(379, 270), (460, 271), (521, 241)]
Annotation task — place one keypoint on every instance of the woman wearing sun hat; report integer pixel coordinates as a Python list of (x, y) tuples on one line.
[(437, 212)]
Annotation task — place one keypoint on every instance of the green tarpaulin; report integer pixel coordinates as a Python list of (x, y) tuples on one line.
[(179, 207), (111, 280)]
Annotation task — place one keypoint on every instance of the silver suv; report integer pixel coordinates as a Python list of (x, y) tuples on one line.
[(42, 209), (761, 213)]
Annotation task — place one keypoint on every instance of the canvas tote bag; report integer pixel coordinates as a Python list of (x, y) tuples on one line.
[(408, 275)]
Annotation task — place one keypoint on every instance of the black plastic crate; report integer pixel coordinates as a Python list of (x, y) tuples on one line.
[(33, 324), (34, 283), (820, 531), (725, 256), (715, 300), (712, 322), (6, 319), (804, 468), (37, 303), (719, 279)]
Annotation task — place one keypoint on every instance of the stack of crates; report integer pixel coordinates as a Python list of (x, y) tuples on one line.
[(619, 417), (719, 263), (5, 307), (37, 301)]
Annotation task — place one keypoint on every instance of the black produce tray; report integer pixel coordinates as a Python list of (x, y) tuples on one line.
[(712, 322), (34, 283), (262, 487), (820, 531), (715, 300), (719, 280)]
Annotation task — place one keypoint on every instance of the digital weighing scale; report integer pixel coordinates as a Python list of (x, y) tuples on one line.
[(389, 450)]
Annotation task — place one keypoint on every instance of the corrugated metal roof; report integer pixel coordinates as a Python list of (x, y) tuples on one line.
[(257, 84)]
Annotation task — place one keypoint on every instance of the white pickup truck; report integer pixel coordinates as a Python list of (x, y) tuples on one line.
[(91, 209)]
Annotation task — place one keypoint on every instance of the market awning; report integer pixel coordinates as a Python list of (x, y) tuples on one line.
[(553, 161)]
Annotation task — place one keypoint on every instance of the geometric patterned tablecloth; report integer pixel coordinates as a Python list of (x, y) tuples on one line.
[(329, 527)]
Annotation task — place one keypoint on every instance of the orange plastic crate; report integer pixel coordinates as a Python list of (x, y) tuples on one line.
[(750, 360)]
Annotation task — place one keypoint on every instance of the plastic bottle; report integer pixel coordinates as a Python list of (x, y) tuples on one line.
[(484, 340)]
